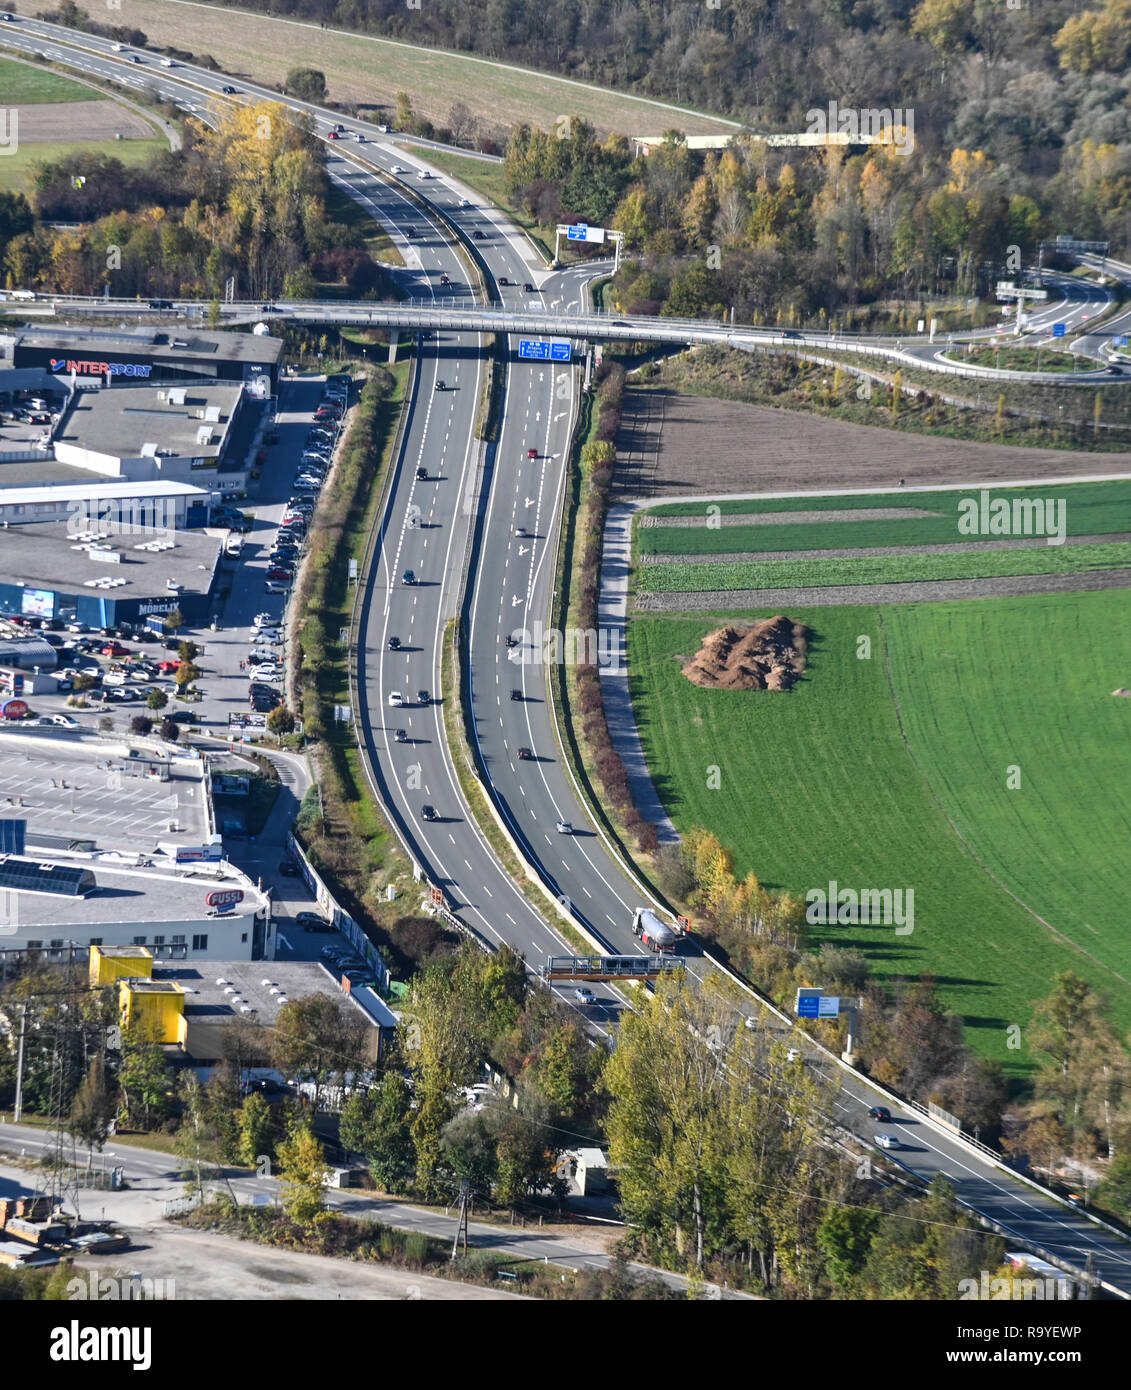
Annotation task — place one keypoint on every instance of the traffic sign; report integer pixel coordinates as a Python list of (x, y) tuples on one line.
[(581, 232), (808, 1007), (544, 350), (1059, 330)]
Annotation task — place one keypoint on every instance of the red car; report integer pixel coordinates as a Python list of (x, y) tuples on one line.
[(331, 135), (165, 667), (280, 572), (115, 649), (532, 453)]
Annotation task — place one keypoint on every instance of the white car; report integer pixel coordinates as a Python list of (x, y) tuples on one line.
[(584, 995), (114, 678), (563, 827), (396, 699), (465, 202), (423, 173), (397, 169), (167, 63), (64, 721), (887, 1141)]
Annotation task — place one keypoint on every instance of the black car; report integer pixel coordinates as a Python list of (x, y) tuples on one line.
[(394, 644), (526, 754), (423, 696), (288, 868), (477, 234), (441, 386), (528, 288), (516, 694), (503, 280), (429, 813), (160, 303), (228, 91), (422, 475), (400, 736), (312, 921), (880, 1112)]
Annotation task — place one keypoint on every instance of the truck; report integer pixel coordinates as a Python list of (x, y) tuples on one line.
[(653, 931)]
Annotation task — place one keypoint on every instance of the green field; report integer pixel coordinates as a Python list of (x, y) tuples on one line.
[(22, 84), (1091, 509), (820, 784), (17, 171), (1040, 558)]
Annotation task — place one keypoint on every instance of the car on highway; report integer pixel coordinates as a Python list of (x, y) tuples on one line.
[(228, 91), (887, 1141), (528, 288), (160, 303), (516, 694), (332, 135), (477, 234), (429, 813), (423, 697), (445, 280), (64, 721), (7, 19), (526, 755), (400, 735), (409, 577), (881, 1113), (584, 995), (394, 644), (397, 169), (465, 202), (563, 827), (1113, 370), (396, 699), (422, 475), (532, 453), (441, 385)]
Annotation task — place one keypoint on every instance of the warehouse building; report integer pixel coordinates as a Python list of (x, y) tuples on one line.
[(127, 357), (109, 576)]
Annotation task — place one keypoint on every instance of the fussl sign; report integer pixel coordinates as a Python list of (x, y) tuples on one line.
[(224, 897)]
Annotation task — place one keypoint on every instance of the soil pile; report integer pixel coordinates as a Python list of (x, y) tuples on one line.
[(769, 655)]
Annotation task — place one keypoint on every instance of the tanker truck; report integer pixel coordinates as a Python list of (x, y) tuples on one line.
[(653, 931)]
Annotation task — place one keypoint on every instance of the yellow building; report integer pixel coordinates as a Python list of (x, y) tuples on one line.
[(110, 963), (159, 1003)]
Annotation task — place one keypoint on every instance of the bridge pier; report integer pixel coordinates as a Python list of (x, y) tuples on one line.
[(394, 339)]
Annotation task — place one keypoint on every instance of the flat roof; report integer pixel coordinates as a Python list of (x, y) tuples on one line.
[(173, 343), (47, 556), (31, 476), (87, 787), (94, 487), (120, 422), (145, 897), (265, 985)]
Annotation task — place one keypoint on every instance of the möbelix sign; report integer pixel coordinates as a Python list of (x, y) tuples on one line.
[(82, 367)]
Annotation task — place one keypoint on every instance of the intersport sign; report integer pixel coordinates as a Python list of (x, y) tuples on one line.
[(85, 368)]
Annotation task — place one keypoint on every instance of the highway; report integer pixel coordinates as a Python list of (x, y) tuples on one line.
[(470, 503)]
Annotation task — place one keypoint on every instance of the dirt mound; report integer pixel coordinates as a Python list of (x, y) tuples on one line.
[(769, 655)]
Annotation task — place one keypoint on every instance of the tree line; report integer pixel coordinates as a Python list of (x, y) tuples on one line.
[(243, 201)]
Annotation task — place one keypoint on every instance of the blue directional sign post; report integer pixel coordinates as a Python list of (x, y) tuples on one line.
[(1059, 330), (814, 1003), (544, 349)]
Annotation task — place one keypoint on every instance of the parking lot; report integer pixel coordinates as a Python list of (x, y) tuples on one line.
[(258, 571)]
